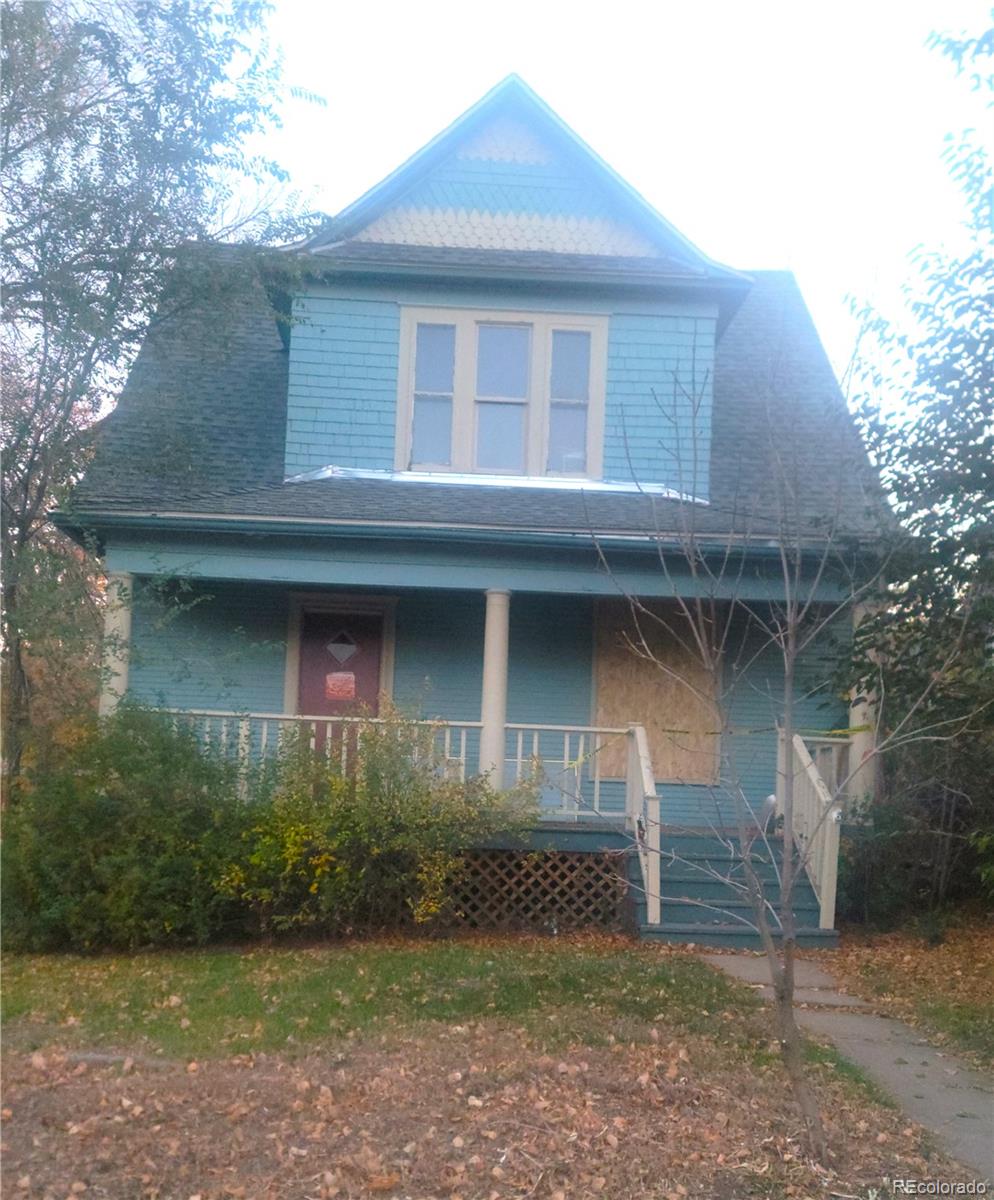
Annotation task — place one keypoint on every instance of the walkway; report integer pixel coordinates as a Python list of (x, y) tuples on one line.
[(940, 1092)]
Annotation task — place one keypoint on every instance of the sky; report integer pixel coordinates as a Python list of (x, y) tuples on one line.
[(796, 135)]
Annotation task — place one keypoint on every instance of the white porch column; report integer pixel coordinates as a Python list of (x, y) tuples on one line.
[(493, 705), (863, 762), (117, 641)]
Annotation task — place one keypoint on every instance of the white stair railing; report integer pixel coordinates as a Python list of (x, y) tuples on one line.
[(642, 817), (816, 819)]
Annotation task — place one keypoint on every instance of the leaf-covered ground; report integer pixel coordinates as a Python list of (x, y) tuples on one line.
[(946, 989), (485, 1069)]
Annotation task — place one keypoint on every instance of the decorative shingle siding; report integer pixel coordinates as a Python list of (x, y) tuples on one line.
[(508, 189), (658, 404), (342, 393)]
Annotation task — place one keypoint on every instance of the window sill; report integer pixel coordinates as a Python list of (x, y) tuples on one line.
[(560, 483)]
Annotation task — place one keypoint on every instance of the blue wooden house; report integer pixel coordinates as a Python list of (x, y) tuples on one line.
[(507, 390)]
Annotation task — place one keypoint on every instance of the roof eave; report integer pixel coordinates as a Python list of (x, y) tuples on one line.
[(320, 265), (96, 520)]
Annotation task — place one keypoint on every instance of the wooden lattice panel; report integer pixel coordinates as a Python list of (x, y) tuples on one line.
[(548, 890)]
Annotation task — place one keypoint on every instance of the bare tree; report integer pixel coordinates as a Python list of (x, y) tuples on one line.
[(727, 614)]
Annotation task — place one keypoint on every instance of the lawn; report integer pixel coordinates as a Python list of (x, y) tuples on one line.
[(490, 1068), (946, 989), (209, 1004)]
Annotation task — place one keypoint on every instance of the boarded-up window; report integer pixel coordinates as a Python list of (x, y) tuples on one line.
[(676, 705)]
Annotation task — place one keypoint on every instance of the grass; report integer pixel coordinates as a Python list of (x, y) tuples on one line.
[(943, 988), (827, 1056), (203, 1004)]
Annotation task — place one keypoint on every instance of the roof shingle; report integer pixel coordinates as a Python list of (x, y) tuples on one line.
[(200, 429)]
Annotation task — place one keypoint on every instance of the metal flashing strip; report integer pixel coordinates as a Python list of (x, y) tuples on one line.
[(461, 479)]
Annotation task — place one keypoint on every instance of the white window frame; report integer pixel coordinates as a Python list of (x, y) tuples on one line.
[(464, 401)]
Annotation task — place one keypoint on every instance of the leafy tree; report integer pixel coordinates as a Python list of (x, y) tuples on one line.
[(124, 149), (937, 460)]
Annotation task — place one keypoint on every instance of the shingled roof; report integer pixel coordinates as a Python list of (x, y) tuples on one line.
[(199, 431)]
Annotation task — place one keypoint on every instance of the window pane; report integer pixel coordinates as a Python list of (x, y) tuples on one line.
[(431, 438), (502, 360), (568, 439), (434, 358), (570, 365), (500, 437)]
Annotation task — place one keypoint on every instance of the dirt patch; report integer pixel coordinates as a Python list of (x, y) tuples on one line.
[(461, 1111)]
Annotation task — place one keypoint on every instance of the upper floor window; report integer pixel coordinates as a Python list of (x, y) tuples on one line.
[(501, 393)]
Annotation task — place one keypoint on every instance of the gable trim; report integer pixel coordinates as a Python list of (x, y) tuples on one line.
[(372, 203)]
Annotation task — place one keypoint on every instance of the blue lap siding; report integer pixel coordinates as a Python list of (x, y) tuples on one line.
[(222, 645), (343, 379)]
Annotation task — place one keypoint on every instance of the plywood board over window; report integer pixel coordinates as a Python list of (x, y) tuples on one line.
[(673, 696)]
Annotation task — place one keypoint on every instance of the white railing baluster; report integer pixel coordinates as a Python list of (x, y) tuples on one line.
[(598, 746), (577, 771), (257, 737)]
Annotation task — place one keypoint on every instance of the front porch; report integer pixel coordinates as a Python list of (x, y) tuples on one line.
[(508, 684), (687, 883)]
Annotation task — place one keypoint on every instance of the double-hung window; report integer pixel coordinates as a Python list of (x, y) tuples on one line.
[(500, 393)]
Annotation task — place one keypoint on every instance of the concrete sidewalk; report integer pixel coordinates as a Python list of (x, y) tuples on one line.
[(937, 1090)]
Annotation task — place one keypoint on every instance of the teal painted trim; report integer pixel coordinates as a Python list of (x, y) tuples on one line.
[(369, 562), (154, 525)]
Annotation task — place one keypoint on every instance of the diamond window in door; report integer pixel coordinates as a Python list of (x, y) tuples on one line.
[(342, 646)]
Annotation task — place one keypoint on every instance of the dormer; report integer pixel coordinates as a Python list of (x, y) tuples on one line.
[(504, 308)]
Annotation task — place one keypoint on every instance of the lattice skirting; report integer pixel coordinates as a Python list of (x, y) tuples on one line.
[(548, 890)]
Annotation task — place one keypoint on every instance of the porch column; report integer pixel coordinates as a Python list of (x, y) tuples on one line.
[(117, 641), (493, 705), (863, 763)]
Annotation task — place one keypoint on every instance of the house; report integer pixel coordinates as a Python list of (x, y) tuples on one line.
[(507, 391)]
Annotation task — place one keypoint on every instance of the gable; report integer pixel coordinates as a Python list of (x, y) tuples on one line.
[(506, 186)]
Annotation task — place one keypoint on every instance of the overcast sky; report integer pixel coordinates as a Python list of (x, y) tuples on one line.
[(802, 135)]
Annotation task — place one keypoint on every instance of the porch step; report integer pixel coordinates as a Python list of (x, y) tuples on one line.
[(702, 866), (699, 906), (701, 886), (730, 935), (686, 911), (711, 845)]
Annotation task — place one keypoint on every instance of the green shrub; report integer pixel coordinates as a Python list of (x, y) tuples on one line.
[(118, 841), (926, 844), (137, 835), (373, 847)]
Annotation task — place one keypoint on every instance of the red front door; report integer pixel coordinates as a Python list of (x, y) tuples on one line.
[(340, 656)]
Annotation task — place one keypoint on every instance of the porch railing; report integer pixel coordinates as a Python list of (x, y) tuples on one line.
[(579, 771), (258, 737), (817, 767), (571, 765)]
